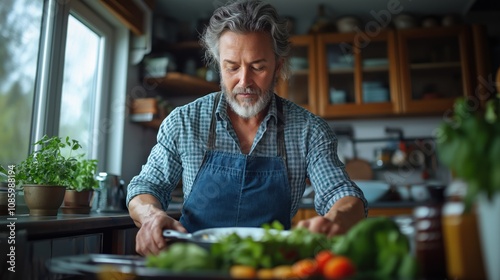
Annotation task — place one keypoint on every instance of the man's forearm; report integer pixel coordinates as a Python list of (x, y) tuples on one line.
[(143, 206), (349, 204)]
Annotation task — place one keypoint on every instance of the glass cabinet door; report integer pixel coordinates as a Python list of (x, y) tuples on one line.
[(434, 68), (300, 87), (355, 77)]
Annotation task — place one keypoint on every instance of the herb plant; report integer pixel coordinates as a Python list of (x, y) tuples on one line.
[(84, 177), (48, 165), (469, 144)]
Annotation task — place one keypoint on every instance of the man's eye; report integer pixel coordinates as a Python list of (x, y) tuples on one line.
[(259, 68)]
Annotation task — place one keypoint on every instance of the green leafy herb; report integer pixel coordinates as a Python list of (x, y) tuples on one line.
[(469, 144)]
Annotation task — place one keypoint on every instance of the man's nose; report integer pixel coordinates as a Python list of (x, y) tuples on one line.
[(245, 77)]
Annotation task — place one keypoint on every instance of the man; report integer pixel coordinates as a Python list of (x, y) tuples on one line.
[(243, 154)]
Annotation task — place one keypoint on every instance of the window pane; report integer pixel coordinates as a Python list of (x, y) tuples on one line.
[(20, 22), (80, 83)]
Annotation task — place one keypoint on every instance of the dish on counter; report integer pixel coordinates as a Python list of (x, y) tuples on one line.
[(373, 190)]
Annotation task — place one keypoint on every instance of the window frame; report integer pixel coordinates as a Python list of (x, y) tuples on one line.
[(107, 142)]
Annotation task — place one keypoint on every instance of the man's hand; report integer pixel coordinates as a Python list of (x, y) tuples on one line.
[(152, 220), (149, 239), (344, 214)]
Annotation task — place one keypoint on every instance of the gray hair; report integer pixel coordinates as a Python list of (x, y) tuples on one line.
[(243, 16)]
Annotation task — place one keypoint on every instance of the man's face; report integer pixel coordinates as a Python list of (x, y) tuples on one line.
[(248, 71)]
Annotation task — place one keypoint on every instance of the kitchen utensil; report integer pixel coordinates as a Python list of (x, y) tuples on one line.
[(110, 197), (207, 237), (373, 190), (359, 169), (107, 266)]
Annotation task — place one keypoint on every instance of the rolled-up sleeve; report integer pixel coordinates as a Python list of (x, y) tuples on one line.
[(327, 173), (163, 169)]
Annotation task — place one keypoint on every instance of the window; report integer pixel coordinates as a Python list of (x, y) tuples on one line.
[(19, 39), (82, 88), (54, 88)]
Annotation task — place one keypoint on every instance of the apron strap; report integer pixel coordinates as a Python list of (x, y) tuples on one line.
[(281, 129), (213, 124)]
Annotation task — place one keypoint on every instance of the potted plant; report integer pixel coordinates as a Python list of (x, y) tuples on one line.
[(469, 144), (44, 175), (79, 193)]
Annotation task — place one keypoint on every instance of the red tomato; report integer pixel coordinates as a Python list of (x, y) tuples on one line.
[(304, 268), (338, 268), (322, 258)]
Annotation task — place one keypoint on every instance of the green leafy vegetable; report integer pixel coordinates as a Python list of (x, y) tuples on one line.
[(378, 249), (469, 144), (182, 257)]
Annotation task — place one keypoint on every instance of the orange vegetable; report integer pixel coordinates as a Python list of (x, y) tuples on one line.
[(283, 272), (305, 268), (322, 258), (265, 273), (339, 267), (242, 271)]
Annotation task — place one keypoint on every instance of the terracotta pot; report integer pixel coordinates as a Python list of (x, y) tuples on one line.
[(43, 200), (77, 202)]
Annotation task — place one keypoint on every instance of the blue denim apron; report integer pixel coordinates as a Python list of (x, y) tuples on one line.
[(239, 190)]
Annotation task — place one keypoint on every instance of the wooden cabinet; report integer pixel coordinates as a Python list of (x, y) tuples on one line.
[(301, 87), (357, 76), (418, 71), (36, 240), (435, 68)]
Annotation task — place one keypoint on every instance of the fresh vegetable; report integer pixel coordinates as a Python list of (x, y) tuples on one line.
[(322, 258), (265, 273), (374, 248), (468, 142), (182, 257), (305, 268), (273, 250), (339, 267), (283, 272), (242, 272), (377, 248)]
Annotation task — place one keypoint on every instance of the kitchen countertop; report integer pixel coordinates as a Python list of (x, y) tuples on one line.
[(375, 205), (67, 224)]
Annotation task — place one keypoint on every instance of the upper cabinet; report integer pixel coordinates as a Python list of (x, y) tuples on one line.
[(301, 87), (357, 76), (435, 68), (419, 71)]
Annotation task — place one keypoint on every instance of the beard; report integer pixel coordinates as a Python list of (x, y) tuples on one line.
[(249, 106)]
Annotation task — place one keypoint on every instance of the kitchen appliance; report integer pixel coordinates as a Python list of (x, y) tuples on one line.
[(110, 197)]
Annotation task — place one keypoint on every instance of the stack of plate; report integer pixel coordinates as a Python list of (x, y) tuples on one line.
[(375, 92)]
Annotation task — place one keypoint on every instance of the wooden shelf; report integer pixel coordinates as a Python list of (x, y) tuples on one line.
[(440, 65), (181, 84)]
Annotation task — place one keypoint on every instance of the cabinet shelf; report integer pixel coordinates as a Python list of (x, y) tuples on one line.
[(439, 65), (181, 84), (384, 68), (349, 70)]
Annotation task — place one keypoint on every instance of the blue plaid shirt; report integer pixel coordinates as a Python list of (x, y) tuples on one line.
[(182, 141)]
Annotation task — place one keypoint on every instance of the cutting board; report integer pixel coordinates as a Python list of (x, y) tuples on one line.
[(359, 169)]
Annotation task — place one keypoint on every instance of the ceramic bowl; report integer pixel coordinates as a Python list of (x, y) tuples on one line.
[(373, 190)]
